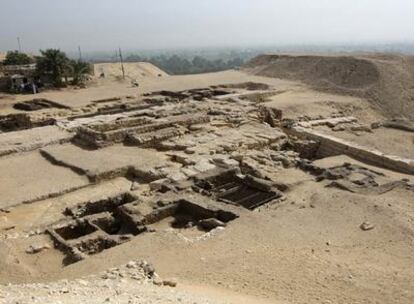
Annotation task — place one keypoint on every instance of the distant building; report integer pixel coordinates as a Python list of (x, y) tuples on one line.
[(2, 57), (13, 77)]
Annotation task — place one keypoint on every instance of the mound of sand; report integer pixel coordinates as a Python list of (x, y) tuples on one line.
[(133, 70), (385, 80)]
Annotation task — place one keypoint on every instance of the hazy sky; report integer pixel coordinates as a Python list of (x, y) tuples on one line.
[(153, 24)]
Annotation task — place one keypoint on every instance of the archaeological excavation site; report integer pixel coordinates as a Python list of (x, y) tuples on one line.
[(289, 180)]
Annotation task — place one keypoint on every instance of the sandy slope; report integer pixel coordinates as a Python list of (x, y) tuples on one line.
[(133, 70), (385, 80)]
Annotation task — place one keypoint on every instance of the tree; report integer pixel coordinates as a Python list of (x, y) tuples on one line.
[(79, 70), (54, 64), (17, 58)]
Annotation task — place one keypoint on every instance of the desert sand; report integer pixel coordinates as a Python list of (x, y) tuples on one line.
[(288, 181)]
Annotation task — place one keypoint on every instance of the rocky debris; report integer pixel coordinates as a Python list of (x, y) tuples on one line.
[(170, 282), (262, 163), (330, 122), (3, 210), (258, 183), (361, 128), (124, 285), (376, 125), (148, 269), (270, 116), (211, 223), (366, 226), (9, 228), (159, 185), (135, 186), (250, 86), (36, 248), (399, 124), (339, 128), (15, 122), (306, 148), (136, 270), (37, 104)]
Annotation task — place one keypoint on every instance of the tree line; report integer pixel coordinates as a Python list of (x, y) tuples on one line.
[(53, 65), (177, 65)]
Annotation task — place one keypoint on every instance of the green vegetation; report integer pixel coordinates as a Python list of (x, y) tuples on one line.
[(178, 65), (79, 71), (17, 58), (53, 64)]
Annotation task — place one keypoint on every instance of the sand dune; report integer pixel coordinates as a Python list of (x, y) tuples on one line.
[(385, 80), (133, 70)]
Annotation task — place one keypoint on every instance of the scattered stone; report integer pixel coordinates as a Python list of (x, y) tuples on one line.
[(131, 264), (338, 128), (33, 249), (135, 186), (149, 270), (211, 223), (158, 184), (190, 150), (170, 282), (366, 226), (157, 281)]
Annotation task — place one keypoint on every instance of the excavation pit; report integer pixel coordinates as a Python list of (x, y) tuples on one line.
[(100, 206), (94, 246), (246, 196), (75, 231), (184, 215), (37, 104), (104, 224), (114, 224), (228, 187)]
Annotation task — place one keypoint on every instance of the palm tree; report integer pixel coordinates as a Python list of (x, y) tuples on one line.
[(79, 70), (54, 64)]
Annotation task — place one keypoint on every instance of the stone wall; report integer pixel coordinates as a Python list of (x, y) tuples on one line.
[(331, 146)]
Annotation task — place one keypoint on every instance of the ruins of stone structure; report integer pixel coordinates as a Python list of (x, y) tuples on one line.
[(190, 164)]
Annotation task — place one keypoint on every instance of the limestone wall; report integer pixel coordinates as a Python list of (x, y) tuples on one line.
[(330, 146)]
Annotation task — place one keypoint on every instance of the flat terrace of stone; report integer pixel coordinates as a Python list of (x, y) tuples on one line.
[(100, 135), (46, 212), (30, 177), (31, 139), (109, 162), (220, 136)]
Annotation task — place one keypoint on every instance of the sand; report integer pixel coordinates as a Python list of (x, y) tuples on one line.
[(385, 80), (305, 248)]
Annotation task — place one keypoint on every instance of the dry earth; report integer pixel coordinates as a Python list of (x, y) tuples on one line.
[(238, 186)]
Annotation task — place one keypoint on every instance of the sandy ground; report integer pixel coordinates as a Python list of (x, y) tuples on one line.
[(132, 70), (31, 139), (30, 177), (108, 88), (307, 102), (307, 248), (310, 249), (99, 162), (384, 79)]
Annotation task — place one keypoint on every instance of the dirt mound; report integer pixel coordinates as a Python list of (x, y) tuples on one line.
[(133, 70), (385, 80)]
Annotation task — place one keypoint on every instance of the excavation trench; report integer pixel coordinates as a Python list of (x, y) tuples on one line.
[(96, 226)]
